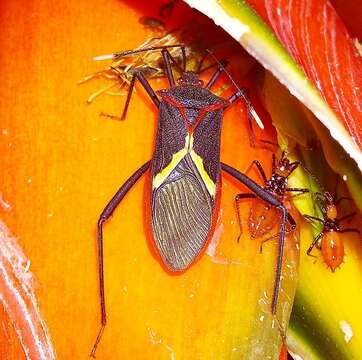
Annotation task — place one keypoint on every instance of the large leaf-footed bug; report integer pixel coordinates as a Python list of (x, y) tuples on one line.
[(185, 169)]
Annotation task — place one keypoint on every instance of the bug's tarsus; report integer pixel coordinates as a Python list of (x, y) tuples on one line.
[(300, 191), (98, 339), (106, 214), (292, 222), (101, 221)]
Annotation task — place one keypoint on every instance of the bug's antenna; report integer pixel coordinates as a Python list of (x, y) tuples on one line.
[(241, 92), (117, 55)]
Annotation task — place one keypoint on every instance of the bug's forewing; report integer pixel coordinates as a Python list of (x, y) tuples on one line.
[(183, 202), (182, 216)]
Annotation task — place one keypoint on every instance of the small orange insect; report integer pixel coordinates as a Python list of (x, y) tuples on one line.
[(263, 217), (331, 243)]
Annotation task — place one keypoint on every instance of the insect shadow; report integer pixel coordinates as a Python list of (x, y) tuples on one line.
[(185, 169)]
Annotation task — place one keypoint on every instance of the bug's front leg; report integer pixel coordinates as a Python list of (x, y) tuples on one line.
[(141, 78), (106, 214)]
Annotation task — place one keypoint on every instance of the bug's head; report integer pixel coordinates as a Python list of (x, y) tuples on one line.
[(190, 78), (284, 167), (326, 203)]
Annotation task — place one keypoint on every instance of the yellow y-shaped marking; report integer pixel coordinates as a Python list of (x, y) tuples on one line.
[(176, 158)]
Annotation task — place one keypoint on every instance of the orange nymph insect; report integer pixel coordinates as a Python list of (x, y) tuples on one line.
[(264, 217), (332, 245)]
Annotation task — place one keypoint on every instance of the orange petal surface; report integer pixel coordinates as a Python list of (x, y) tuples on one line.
[(61, 163)]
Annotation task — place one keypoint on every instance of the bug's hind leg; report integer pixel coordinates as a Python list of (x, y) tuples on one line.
[(267, 197), (106, 214)]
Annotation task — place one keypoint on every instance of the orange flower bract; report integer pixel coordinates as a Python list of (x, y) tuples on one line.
[(60, 165)]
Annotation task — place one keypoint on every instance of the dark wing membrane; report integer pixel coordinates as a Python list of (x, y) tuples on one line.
[(182, 216), (170, 139), (207, 142)]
